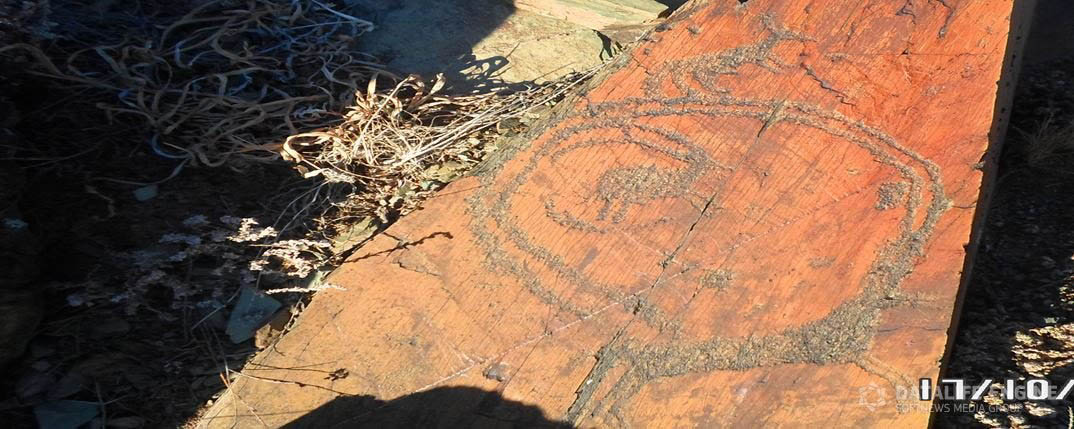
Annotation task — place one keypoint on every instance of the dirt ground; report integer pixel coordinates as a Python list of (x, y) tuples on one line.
[(156, 364), (120, 265), (1017, 322), (147, 359)]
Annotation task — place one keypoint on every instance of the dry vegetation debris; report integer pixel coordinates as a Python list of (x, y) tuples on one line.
[(240, 83), (203, 99)]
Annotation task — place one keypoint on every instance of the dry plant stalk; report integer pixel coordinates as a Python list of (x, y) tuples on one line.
[(392, 140), (1050, 145), (229, 78), (238, 81), (24, 17)]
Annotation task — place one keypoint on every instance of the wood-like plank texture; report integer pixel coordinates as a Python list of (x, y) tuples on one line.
[(757, 219)]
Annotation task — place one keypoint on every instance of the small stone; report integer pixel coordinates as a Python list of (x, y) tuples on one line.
[(508, 126), (64, 414), (496, 372), (145, 193)]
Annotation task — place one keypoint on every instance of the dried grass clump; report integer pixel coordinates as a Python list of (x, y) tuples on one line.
[(399, 144), (199, 266), (1040, 351), (228, 78), (25, 18), (240, 82), (1049, 146)]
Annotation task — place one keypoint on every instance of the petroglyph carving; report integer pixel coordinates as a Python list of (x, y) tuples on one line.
[(623, 187), (889, 195), (643, 181), (841, 336), (705, 70)]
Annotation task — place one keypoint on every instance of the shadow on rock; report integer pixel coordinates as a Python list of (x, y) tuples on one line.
[(441, 407)]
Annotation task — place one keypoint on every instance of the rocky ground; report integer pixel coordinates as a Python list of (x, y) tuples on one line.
[(1017, 322), (121, 262)]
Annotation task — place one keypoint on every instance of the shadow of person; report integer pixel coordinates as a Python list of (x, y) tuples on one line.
[(671, 5), (427, 37), (442, 407)]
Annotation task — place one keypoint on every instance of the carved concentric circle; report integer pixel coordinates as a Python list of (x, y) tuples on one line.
[(682, 223)]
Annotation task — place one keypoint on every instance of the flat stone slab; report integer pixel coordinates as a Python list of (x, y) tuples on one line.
[(600, 14), (756, 218), (476, 43)]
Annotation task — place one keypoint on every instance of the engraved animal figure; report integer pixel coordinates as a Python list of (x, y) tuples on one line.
[(707, 68)]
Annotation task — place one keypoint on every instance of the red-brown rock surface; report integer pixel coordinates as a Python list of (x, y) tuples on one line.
[(758, 218)]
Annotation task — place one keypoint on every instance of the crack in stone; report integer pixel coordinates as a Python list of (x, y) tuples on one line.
[(947, 20), (839, 95)]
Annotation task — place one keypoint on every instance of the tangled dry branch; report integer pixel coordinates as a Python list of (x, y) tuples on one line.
[(409, 137), (227, 78), (235, 82)]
